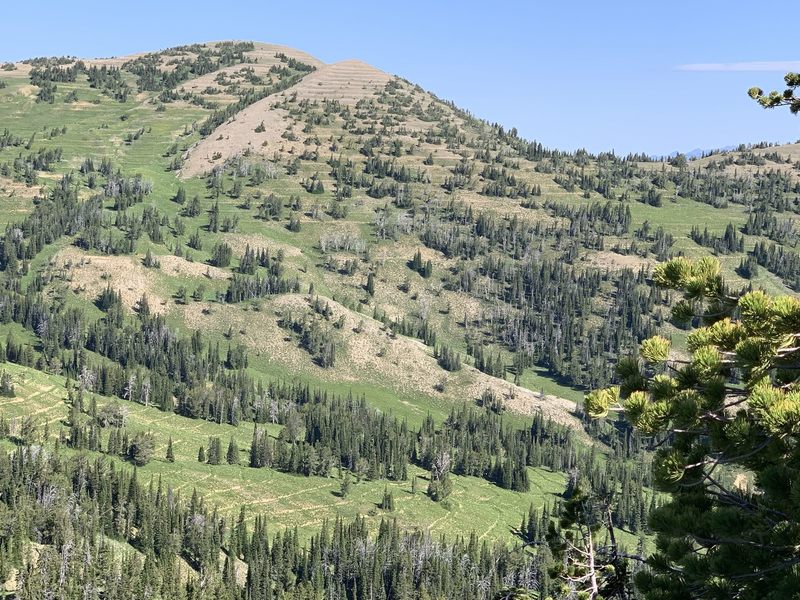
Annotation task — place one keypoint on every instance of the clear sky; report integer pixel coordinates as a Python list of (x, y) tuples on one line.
[(630, 76)]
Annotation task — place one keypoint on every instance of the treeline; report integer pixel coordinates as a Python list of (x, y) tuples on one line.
[(543, 311), (77, 511), (108, 80), (25, 167), (729, 242), (766, 223), (773, 189), (782, 262), (151, 77)]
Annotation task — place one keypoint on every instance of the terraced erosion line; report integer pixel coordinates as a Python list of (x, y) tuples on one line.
[(285, 496), (347, 82)]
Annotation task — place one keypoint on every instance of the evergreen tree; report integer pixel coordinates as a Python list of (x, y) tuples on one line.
[(775, 98), (733, 406), (232, 455), (346, 484), (387, 502), (170, 452), (140, 449), (7, 389), (214, 453)]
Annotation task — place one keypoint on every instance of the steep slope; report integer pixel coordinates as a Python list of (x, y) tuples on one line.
[(259, 128), (263, 127), (299, 149), (347, 82)]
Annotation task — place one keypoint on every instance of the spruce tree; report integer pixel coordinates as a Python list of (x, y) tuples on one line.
[(232, 455), (170, 452), (344, 488), (387, 502)]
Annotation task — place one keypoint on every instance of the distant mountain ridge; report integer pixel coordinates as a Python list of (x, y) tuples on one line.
[(703, 152)]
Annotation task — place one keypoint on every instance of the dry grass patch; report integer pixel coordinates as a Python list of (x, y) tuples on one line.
[(605, 259), (176, 265), (90, 274), (239, 135), (256, 329), (15, 189), (347, 81), (265, 53), (368, 352), (522, 400)]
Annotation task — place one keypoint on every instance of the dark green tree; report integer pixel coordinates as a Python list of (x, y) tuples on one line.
[(170, 452), (387, 502), (141, 448), (232, 455), (346, 484)]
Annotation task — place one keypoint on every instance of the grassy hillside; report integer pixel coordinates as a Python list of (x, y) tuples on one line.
[(287, 500), (266, 219)]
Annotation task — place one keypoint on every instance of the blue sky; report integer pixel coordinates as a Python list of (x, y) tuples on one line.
[(600, 75)]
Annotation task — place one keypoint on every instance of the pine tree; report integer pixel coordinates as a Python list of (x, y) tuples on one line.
[(344, 488), (785, 98), (170, 452), (150, 261), (214, 454), (733, 403), (141, 447), (232, 455), (387, 502)]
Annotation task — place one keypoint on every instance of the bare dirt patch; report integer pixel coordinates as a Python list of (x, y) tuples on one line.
[(89, 275), (176, 265), (347, 81), (239, 135), (605, 259)]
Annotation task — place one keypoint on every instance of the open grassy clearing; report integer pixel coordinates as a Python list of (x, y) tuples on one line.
[(288, 500)]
